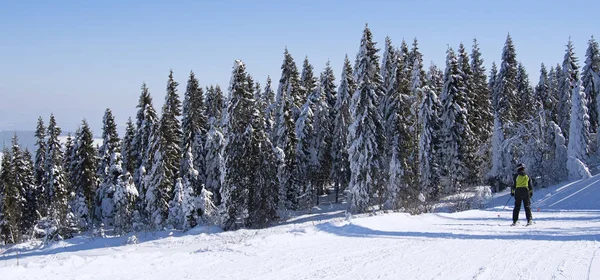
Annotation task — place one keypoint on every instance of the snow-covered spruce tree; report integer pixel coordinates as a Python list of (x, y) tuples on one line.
[(30, 205), (182, 209), (285, 135), (305, 163), (543, 95), (214, 102), (417, 82), (481, 114), (69, 162), (56, 183), (108, 187), (579, 138), (555, 75), (110, 143), (290, 87), (471, 142), (263, 197), (214, 159), (268, 101), (325, 122), (39, 165), (308, 81), (238, 170), (403, 180), (591, 81), (146, 123), (388, 63), (493, 89), (429, 142), (566, 84), (435, 79), (365, 137), (85, 179), (455, 128), (127, 151), (505, 88), (124, 197), (194, 127), (12, 203), (555, 157), (170, 126), (321, 142), (526, 108), (166, 158), (340, 169), (6, 187)]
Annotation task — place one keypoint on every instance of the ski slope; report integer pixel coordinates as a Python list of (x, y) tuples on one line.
[(475, 244)]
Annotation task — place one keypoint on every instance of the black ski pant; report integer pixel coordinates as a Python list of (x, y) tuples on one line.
[(522, 195)]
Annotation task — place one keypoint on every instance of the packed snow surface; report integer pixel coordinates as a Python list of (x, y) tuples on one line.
[(476, 244)]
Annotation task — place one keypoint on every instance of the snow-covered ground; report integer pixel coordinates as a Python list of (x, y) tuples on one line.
[(475, 244)]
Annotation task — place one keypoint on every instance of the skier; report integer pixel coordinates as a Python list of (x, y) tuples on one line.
[(522, 190)]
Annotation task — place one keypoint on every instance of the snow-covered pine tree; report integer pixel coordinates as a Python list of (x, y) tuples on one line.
[(69, 161), (146, 123), (429, 142), (110, 143), (542, 94), (556, 79), (340, 169), (12, 210), (56, 181), (194, 127), (285, 135), (125, 195), (557, 166), (170, 127), (237, 186), (182, 209), (308, 81), (591, 81), (567, 82), (455, 128), (127, 151), (263, 197), (389, 60), (268, 101), (305, 163), (289, 88), (167, 156), (505, 87), (366, 136), (526, 106), (39, 165), (579, 138), (30, 204), (435, 79), (85, 179), (471, 141), (214, 159), (214, 103), (481, 111), (6, 184), (403, 180), (324, 120), (493, 89)]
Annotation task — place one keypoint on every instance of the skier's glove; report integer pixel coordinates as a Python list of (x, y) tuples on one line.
[(512, 193), (530, 194)]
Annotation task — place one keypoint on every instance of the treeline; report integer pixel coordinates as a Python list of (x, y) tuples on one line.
[(392, 135)]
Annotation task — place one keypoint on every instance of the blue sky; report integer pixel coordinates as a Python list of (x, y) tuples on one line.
[(76, 58)]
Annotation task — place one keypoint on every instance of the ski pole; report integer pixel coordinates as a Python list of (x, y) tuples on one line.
[(506, 203)]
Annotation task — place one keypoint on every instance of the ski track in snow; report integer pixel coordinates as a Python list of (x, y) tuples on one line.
[(475, 244)]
